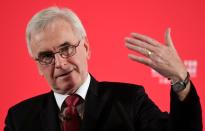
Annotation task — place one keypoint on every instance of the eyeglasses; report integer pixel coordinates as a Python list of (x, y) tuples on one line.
[(68, 50)]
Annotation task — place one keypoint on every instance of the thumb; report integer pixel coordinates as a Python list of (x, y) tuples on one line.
[(168, 39)]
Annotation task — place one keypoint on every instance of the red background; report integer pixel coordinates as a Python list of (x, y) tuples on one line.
[(107, 23)]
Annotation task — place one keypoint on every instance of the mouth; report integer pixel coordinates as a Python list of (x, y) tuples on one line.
[(63, 74)]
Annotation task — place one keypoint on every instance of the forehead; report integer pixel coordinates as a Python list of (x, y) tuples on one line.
[(54, 34)]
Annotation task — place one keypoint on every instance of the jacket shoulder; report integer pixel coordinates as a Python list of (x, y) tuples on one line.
[(32, 104), (119, 89), (120, 86), (27, 111), (33, 100)]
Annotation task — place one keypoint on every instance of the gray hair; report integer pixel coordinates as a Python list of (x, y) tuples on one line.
[(40, 20)]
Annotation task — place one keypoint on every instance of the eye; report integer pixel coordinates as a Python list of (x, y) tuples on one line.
[(45, 56), (66, 51), (65, 48)]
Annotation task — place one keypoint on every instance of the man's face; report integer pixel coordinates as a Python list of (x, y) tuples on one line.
[(64, 75)]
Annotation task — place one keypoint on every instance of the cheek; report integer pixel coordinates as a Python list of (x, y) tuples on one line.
[(47, 72), (82, 61)]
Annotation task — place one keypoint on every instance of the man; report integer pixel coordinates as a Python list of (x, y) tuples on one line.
[(58, 43)]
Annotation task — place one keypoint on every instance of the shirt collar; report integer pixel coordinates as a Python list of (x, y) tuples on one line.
[(82, 91)]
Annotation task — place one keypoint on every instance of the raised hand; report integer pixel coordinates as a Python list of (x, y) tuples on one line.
[(161, 57)]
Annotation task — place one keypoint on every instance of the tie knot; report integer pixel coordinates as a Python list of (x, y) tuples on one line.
[(72, 100)]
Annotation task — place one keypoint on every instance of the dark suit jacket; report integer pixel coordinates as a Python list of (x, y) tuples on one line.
[(109, 106)]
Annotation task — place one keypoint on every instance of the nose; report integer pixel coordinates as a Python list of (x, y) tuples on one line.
[(59, 61)]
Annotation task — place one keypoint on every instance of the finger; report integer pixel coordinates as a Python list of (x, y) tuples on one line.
[(140, 43), (145, 38), (142, 60), (168, 39), (140, 50)]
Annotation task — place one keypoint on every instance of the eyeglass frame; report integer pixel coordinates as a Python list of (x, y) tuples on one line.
[(72, 46)]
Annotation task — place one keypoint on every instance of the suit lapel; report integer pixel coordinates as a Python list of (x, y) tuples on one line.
[(94, 104), (49, 115)]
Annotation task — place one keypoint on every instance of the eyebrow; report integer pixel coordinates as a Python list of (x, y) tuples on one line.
[(64, 44), (44, 52)]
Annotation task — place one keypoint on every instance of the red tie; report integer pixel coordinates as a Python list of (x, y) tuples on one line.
[(71, 120)]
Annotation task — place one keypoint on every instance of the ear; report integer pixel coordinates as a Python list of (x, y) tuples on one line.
[(87, 47)]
